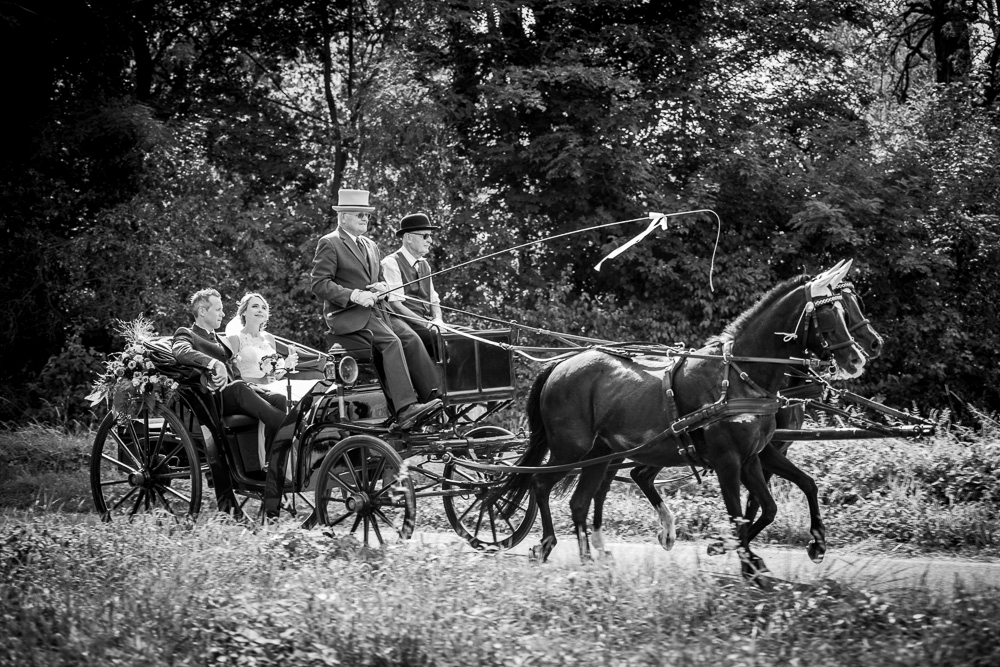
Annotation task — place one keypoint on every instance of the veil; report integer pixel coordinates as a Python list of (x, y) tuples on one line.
[(234, 326)]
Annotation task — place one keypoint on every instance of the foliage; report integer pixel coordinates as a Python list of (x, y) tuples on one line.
[(136, 594), (205, 141)]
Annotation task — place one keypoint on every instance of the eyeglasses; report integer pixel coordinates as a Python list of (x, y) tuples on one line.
[(356, 214), (424, 236)]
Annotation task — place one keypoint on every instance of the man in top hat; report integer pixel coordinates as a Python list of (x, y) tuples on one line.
[(346, 274), (413, 302)]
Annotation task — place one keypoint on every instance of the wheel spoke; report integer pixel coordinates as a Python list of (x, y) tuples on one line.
[(339, 520), (174, 492), (116, 462), (138, 501), (124, 498), (378, 533), (385, 519), (122, 445), (354, 473), (335, 477), (155, 449), (163, 498), (377, 477), (365, 479)]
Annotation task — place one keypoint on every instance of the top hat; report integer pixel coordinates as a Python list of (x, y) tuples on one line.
[(353, 200), (414, 222)]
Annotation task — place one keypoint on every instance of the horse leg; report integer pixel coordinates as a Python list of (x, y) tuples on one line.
[(791, 417), (752, 476), (727, 471), (597, 536), (645, 478), (730, 473), (542, 487), (776, 462), (591, 479)]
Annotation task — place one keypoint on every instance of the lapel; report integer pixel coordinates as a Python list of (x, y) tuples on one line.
[(353, 247)]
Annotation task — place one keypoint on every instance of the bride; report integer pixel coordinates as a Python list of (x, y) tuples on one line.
[(254, 349)]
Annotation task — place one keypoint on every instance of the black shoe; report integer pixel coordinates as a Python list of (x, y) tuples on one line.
[(414, 412)]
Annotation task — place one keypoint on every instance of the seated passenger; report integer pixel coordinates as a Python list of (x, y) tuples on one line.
[(413, 302), (201, 347), (346, 274), (251, 344)]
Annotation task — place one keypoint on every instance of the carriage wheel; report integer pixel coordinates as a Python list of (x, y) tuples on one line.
[(481, 525), (145, 464), (363, 486)]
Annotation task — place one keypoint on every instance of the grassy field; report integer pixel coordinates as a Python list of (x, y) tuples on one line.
[(155, 593), (74, 591)]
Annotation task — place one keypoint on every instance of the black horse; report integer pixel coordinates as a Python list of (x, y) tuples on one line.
[(773, 457), (596, 405)]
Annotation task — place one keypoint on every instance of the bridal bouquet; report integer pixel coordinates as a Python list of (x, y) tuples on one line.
[(270, 364), (130, 379)]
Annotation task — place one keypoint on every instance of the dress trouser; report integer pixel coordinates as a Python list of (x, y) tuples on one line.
[(394, 361), (417, 340), (239, 398)]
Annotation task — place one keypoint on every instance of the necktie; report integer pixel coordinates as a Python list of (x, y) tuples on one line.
[(423, 269), (364, 251)]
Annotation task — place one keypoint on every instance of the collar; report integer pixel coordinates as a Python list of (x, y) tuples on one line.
[(341, 230), (409, 256), (196, 327)]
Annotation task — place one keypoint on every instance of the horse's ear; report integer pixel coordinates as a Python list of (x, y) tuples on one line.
[(820, 285), (841, 271)]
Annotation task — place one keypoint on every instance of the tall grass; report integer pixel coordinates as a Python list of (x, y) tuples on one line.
[(161, 593)]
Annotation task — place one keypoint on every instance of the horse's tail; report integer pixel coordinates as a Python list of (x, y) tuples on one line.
[(509, 494)]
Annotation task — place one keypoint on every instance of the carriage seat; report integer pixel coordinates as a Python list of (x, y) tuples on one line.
[(235, 422)]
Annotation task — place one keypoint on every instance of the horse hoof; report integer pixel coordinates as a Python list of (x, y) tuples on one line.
[(716, 549), (760, 581), (816, 552), (666, 541)]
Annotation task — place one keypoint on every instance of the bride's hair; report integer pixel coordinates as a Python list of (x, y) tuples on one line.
[(241, 309)]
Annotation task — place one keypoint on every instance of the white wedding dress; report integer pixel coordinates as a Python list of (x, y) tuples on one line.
[(252, 350)]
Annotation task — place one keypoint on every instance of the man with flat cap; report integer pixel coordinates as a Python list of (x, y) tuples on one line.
[(413, 302), (346, 275)]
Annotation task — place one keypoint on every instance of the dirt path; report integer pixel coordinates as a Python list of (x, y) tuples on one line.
[(944, 576)]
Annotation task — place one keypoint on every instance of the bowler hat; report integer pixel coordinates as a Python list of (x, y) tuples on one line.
[(414, 222), (353, 200)]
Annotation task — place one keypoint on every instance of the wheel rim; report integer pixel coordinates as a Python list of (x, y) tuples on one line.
[(479, 524), (143, 465), (363, 488)]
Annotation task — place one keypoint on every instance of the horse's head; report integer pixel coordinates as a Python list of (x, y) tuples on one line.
[(860, 327), (828, 334)]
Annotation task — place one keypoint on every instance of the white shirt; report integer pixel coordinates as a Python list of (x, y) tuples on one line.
[(394, 279)]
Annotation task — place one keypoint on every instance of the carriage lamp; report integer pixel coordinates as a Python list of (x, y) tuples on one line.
[(341, 367)]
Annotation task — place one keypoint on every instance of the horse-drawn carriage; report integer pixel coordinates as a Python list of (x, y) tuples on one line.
[(655, 406), (349, 466)]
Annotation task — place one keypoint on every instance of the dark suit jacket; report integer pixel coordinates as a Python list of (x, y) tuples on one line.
[(338, 270), (198, 347)]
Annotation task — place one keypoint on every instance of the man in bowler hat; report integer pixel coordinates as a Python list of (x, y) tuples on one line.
[(413, 302)]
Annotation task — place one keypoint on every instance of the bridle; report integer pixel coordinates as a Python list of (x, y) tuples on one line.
[(848, 288), (815, 316)]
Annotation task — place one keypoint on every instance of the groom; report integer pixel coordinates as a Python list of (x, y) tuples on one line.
[(199, 346)]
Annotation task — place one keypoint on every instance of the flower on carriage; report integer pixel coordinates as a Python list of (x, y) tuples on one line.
[(129, 379)]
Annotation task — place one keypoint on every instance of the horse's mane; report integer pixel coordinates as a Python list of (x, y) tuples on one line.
[(776, 292)]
